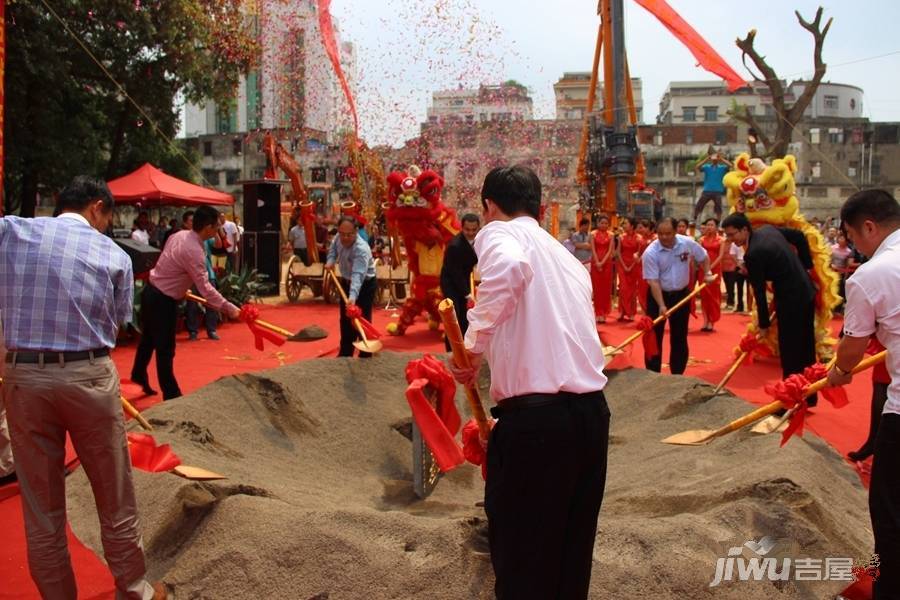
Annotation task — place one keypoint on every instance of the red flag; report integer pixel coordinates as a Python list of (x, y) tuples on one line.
[(438, 438), (328, 40), (147, 456), (472, 448), (706, 56)]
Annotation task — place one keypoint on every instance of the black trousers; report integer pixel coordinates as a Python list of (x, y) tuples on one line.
[(706, 198), (546, 472), (159, 314), (461, 308), (303, 255), (734, 285), (796, 337), (192, 313), (678, 330), (884, 506), (364, 301)]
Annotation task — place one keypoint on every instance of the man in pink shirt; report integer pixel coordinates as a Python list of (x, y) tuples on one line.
[(181, 265), (546, 457)]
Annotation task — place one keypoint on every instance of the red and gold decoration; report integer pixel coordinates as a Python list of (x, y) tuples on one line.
[(416, 211)]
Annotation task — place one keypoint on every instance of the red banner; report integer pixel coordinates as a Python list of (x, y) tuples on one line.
[(706, 56), (328, 40)]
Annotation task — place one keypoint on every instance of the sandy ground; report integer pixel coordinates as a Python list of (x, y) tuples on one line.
[(319, 504)]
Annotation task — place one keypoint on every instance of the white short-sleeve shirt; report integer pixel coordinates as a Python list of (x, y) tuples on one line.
[(873, 306)]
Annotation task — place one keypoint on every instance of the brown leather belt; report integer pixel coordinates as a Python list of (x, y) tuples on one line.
[(31, 357)]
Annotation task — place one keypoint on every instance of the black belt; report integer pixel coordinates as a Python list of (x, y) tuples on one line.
[(536, 400), (28, 356)]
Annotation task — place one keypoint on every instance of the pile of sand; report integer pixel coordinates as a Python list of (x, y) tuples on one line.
[(319, 504)]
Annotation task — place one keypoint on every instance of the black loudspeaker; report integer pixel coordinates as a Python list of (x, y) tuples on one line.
[(143, 257), (262, 251), (262, 206)]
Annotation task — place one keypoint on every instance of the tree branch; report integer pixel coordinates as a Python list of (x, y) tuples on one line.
[(744, 116), (809, 91), (770, 77)]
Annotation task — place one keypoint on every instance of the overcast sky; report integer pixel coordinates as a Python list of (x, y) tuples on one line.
[(408, 49)]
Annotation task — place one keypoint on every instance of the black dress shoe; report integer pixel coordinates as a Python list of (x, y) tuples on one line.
[(145, 387)]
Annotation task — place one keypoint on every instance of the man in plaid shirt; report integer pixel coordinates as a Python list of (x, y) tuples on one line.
[(64, 290)]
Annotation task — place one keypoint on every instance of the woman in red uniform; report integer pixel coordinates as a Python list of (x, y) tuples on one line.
[(602, 268), (711, 296), (630, 247), (647, 231)]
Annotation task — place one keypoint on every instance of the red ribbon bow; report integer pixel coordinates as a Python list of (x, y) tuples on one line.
[(651, 348), (353, 311), (474, 452), (749, 344), (146, 455), (437, 422), (249, 315), (792, 394)]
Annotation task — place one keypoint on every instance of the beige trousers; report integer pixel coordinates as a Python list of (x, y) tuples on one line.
[(43, 402), (7, 466)]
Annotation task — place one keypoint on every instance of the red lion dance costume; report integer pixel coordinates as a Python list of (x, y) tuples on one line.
[(426, 226)]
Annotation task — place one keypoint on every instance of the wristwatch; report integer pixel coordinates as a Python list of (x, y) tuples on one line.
[(841, 371)]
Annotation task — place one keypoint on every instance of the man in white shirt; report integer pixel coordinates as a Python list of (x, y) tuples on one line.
[(546, 457), (141, 231), (233, 237), (872, 222), (667, 270)]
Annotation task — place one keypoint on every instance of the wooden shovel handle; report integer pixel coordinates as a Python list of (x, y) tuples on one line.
[(135, 414), (660, 318), (340, 289), (461, 359), (734, 367), (774, 406), (260, 322)]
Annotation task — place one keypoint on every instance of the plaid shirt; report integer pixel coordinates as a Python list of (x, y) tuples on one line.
[(64, 286)]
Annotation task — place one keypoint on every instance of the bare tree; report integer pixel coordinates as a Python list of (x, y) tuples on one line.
[(787, 116)]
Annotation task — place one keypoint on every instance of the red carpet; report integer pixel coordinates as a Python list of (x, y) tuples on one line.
[(201, 362)]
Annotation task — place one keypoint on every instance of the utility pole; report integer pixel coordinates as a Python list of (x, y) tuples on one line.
[(623, 166)]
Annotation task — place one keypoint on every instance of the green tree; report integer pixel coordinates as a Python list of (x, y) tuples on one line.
[(64, 113)]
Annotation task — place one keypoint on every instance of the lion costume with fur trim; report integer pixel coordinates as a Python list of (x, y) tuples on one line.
[(767, 195), (426, 226)]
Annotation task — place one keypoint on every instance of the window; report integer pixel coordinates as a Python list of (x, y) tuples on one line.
[(457, 102), (207, 148), (654, 168), (835, 135), (815, 168), (720, 136), (684, 191), (817, 192), (211, 176), (236, 144), (658, 137), (814, 135), (340, 174), (710, 113), (319, 174), (831, 102), (232, 176), (688, 136), (853, 168), (689, 113)]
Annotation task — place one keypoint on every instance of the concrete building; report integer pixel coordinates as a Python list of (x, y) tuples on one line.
[(571, 92), (507, 101), (294, 86)]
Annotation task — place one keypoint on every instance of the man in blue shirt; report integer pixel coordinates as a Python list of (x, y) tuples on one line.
[(714, 168), (64, 290), (667, 269), (354, 257)]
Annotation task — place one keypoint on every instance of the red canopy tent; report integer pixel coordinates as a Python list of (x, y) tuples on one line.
[(148, 186)]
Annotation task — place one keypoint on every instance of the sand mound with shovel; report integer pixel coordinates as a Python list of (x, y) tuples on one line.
[(319, 503)]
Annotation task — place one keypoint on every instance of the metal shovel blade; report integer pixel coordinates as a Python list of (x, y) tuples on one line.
[(372, 346), (770, 425), (196, 473), (693, 437), (611, 351)]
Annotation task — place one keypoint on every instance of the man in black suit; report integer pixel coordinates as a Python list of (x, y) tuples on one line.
[(780, 255), (456, 272)]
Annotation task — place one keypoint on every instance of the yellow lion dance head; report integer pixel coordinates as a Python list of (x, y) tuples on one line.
[(767, 195)]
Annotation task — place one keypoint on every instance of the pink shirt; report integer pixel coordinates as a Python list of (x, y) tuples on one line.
[(534, 319), (183, 264)]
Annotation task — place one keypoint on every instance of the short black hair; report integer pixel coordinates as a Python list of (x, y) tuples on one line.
[(187, 215), (671, 221), (875, 204), (602, 216), (346, 219), (584, 222), (81, 192), (738, 221), (203, 216), (713, 219), (680, 221), (514, 190), (470, 218), (632, 220)]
